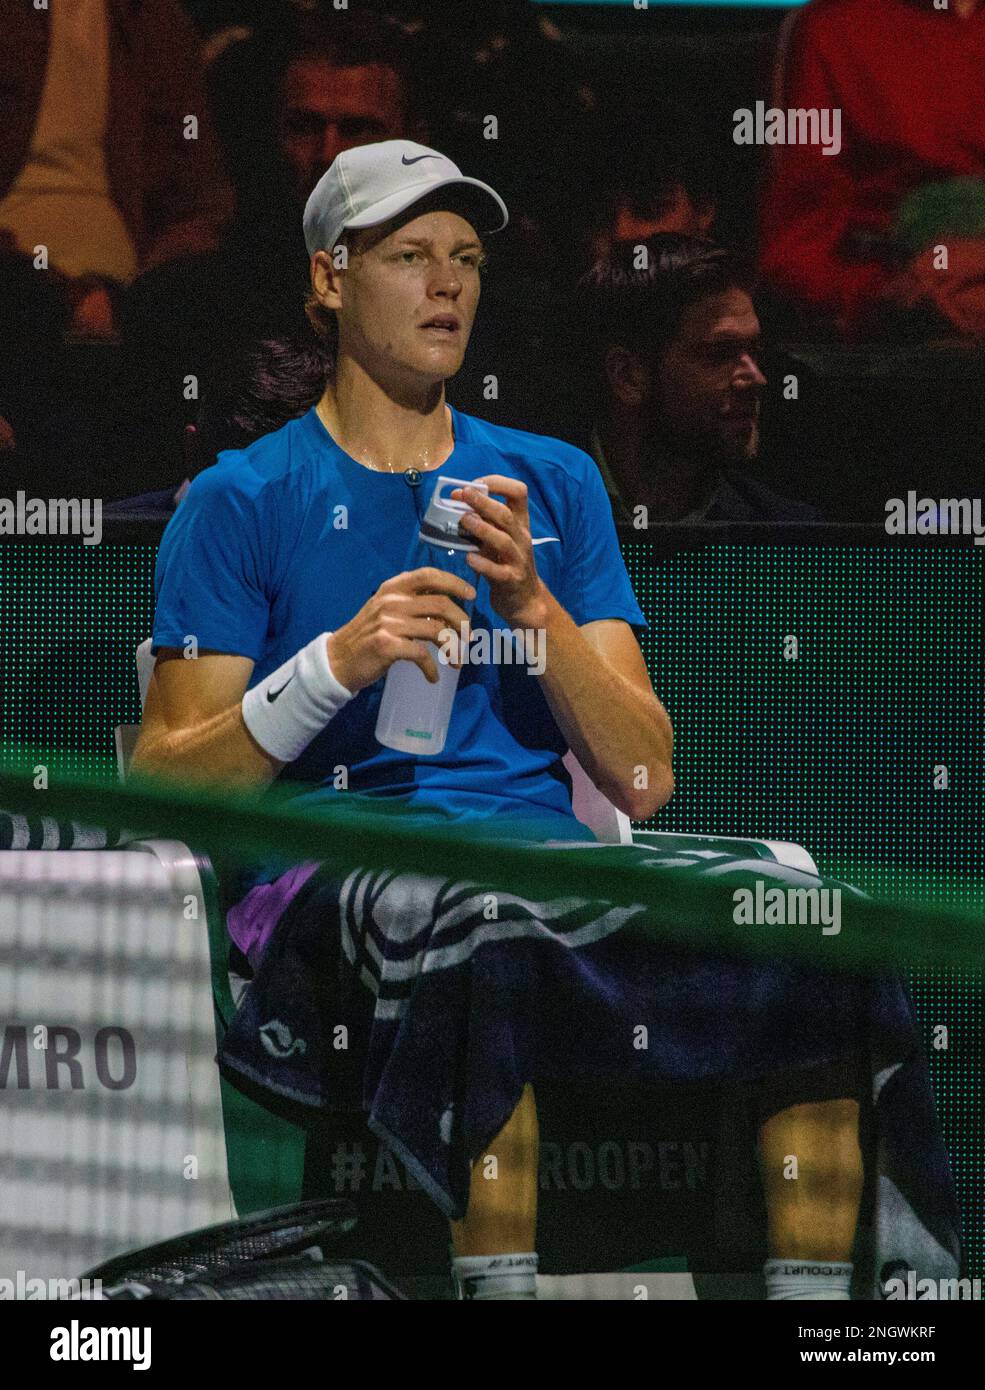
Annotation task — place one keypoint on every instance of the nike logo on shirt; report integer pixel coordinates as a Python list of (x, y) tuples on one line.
[(542, 540)]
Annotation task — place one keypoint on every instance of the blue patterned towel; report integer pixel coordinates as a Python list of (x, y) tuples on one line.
[(411, 997)]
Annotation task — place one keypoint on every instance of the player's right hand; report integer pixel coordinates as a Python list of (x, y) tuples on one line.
[(404, 614)]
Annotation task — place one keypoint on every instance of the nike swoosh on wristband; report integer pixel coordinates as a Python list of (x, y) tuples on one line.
[(273, 694), (542, 540), (417, 158)]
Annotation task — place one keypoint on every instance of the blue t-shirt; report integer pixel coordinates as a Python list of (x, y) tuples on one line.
[(289, 537)]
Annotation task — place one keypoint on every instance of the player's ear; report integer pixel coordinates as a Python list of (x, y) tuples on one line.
[(327, 268)]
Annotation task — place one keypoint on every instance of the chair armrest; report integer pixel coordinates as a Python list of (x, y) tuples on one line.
[(125, 737), (777, 851), (609, 825)]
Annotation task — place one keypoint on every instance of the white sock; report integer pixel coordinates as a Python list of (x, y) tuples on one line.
[(495, 1276), (828, 1279)]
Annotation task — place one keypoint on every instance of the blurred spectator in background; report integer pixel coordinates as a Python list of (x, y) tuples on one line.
[(260, 388), (286, 106), (295, 89), (96, 160), (670, 362), (907, 77), (328, 103), (655, 177), (97, 167)]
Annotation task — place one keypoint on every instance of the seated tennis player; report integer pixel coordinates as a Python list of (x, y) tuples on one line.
[(283, 573)]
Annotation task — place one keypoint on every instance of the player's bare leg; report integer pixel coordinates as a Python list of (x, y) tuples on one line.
[(501, 1219), (502, 1211), (811, 1166)]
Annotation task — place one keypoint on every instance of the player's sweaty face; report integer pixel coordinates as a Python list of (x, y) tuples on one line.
[(710, 384), (424, 271)]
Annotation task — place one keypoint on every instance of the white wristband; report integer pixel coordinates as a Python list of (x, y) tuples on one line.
[(289, 707)]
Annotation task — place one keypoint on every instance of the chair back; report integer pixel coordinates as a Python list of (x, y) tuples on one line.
[(608, 824), (145, 669), (126, 739)]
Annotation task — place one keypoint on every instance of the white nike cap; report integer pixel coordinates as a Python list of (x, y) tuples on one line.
[(370, 184)]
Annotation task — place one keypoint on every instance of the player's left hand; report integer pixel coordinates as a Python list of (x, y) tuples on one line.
[(506, 555)]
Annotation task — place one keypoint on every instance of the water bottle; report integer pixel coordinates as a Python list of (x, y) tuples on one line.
[(414, 714)]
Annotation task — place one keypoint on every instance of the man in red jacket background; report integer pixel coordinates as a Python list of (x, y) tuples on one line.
[(908, 79)]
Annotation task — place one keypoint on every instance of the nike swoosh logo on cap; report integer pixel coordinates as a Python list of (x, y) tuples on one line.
[(417, 158), (273, 694), (542, 540)]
